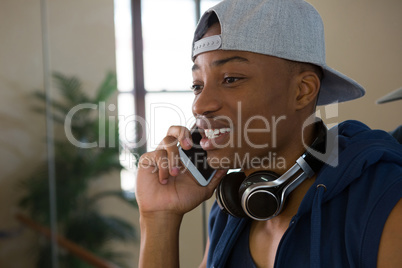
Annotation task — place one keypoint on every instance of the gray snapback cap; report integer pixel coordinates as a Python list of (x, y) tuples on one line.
[(288, 29)]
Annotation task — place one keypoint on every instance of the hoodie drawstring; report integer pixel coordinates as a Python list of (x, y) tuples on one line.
[(315, 243)]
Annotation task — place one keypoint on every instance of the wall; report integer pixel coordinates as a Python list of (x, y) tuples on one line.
[(22, 134), (364, 41)]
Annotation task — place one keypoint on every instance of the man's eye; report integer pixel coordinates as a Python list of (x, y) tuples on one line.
[(229, 80), (196, 88)]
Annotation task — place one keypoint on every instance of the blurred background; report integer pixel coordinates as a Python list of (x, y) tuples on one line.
[(117, 74)]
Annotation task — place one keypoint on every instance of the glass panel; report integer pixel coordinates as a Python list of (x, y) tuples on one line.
[(167, 32), (124, 52), (128, 181), (165, 110), (127, 135), (205, 4), (59, 168), (126, 111)]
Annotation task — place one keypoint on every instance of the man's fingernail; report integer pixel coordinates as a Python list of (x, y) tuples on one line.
[(189, 142), (175, 171)]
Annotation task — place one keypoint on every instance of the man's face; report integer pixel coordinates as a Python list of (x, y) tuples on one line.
[(243, 101)]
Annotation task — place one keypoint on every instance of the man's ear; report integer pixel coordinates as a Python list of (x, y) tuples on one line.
[(307, 90)]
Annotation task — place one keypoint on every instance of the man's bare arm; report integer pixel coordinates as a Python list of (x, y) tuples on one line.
[(389, 253), (159, 241)]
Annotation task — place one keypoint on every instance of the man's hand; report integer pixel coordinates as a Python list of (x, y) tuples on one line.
[(165, 192), (163, 184)]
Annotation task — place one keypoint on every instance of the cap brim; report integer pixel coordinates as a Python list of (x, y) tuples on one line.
[(337, 87), (393, 96)]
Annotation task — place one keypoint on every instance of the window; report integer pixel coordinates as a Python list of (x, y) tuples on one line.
[(167, 32)]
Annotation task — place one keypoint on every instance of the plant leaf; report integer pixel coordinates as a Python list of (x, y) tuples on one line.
[(107, 88)]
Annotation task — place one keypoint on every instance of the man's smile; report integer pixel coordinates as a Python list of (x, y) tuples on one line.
[(213, 133)]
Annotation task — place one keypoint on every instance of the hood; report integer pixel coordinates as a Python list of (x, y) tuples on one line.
[(358, 149)]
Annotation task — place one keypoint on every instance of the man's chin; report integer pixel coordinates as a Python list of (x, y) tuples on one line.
[(217, 161), (220, 159)]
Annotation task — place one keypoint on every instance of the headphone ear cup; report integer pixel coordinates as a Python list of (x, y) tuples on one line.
[(261, 204), (227, 194)]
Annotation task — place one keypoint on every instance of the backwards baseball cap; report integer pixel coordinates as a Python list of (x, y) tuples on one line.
[(288, 29)]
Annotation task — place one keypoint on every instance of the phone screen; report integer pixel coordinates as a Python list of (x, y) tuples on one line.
[(198, 158)]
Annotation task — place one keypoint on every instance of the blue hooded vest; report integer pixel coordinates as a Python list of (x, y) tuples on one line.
[(337, 227)]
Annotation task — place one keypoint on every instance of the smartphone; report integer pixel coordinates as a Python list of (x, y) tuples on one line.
[(195, 160)]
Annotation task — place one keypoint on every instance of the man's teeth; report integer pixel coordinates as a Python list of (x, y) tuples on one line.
[(213, 133)]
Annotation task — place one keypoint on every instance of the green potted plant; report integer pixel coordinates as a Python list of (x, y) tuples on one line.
[(79, 218)]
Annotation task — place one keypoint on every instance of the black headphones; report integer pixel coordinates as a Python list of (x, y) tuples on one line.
[(261, 196)]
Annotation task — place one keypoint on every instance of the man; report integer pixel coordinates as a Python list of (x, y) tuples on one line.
[(259, 71)]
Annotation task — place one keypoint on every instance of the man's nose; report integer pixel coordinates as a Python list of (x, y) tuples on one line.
[(207, 102)]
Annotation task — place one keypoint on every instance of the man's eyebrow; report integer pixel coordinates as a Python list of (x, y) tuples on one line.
[(195, 68), (222, 62)]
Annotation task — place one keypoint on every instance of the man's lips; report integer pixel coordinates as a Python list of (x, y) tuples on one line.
[(215, 138), (212, 126), (213, 133)]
